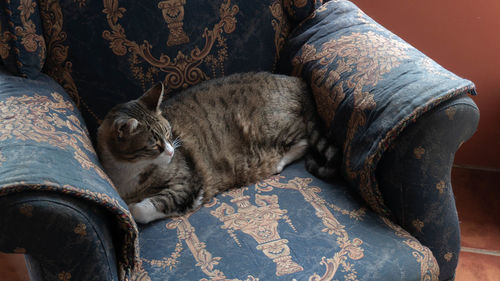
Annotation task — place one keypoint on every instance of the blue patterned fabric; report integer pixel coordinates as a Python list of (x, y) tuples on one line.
[(289, 227), (22, 46), (115, 50), (44, 146), (59, 234), (414, 177), (298, 10), (386, 105), (368, 84)]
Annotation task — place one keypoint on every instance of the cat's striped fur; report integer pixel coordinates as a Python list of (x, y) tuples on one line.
[(232, 131)]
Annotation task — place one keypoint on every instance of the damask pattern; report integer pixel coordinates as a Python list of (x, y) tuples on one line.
[(45, 146), (183, 70), (25, 118), (255, 218), (261, 222), (30, 38), (354, 75), (57, 65), (290, 226), (22, 46), (188, 49), (173, 13), (429, 268), (281, 28), (298, 10), (349, 248), (5, 37)]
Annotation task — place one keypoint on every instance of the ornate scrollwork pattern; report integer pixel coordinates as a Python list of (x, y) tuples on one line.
[(28, 33), (348, 248), (205, 260), (281, 28), (261, 222), (429, 269), (57, 66), (366, 57), (173, 13), (183, 70), (37, 118), (5, 37)]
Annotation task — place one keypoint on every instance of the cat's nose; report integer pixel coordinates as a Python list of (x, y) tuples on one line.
[(169, 149)]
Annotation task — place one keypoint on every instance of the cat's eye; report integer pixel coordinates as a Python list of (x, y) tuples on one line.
[(159, 145)]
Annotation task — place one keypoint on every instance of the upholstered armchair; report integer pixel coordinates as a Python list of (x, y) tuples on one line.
[(397, 116)]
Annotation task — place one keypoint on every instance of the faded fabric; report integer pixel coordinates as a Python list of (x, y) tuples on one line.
[(45, 147), (64, 64), (22, 46), (368, 84), (115, 50), (289, 227)]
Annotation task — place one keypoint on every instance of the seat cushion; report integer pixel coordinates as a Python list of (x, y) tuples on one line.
[(292, 226)]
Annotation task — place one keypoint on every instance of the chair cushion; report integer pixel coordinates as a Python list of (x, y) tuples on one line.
[(289, 227), (108, 52)]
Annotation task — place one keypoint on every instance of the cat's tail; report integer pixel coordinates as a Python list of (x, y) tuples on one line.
[(323, 159)]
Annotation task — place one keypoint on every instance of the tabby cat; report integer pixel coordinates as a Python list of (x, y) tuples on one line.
[(168, 157)]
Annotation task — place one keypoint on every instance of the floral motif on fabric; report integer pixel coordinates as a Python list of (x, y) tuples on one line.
[(5, 37), (57, 66), (28, 33), (183, 70), (281, 27), (47, 119), (365, 58)]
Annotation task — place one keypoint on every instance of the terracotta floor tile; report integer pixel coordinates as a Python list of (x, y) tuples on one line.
[(13, 268), (480, 235), (478, 267), (477, 196)]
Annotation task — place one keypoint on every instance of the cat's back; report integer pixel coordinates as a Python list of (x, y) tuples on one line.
[(249, 93)]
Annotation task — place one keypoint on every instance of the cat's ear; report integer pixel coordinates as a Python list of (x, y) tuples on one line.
[(125, 127), (153, 97)]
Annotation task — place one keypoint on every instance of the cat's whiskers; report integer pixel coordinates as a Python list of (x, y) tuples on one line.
[(176, 143)]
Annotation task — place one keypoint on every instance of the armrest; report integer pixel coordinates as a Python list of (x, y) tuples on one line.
[(414, 178), (60, 236), (373, 90), (45, 148), (368, 85)]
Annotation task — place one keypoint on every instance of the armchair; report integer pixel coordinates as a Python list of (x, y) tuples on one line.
[(397, 116)]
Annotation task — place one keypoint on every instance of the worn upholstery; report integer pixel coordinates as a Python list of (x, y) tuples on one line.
[(397, 116), (291, 226), (44, 146)]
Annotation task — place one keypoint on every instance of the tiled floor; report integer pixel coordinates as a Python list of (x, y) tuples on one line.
[(477, 195), (12, 268)]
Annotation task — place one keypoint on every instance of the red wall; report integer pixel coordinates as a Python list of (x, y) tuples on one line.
[(464, 37)]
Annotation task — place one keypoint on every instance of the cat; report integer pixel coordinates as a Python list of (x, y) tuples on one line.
[(167, 157)]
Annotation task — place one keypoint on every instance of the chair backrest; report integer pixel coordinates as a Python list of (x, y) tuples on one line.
[(110, 51)]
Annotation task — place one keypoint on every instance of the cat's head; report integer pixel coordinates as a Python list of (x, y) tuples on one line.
[(136, 130)]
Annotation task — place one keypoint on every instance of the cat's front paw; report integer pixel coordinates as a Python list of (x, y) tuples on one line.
[(145, 211)]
